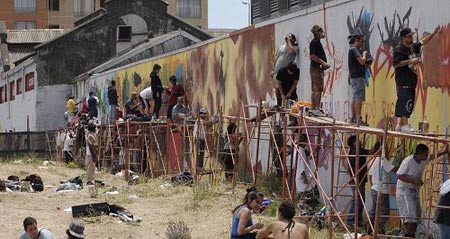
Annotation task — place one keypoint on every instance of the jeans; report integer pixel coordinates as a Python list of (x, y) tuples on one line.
[(112, 114), (157, 108), (385, 208), (444, 230), (351, 217)]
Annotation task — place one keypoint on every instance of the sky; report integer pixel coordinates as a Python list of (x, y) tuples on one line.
[(228, 14)]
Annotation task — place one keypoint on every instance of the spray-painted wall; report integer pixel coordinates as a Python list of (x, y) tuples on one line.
[(224, 73)]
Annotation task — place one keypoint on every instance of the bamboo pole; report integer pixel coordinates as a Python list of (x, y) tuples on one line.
[(258, 122)]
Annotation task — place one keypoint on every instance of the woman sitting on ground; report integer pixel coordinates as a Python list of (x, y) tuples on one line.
[(242, 224)]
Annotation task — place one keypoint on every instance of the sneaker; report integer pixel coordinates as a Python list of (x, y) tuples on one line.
[(398, 128), (407, 129), (317, 113)]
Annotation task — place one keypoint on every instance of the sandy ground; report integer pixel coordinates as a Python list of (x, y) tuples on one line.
[(208, 218)]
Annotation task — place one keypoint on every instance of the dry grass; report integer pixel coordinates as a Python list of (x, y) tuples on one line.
[(205, 210)]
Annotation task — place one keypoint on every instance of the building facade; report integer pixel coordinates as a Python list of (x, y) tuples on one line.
[(62, 14)]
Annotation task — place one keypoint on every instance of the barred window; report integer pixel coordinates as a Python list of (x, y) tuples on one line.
[(83, 7), (25, 5), (189, 8), (24, 25), (53, 5)]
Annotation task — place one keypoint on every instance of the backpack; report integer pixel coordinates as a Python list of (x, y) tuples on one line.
[(36, 182), (183, 178)]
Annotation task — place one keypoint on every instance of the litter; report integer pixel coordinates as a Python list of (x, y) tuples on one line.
[(97, 209), (112, 193), (43, 167), (133, 196), (68, 187), (166, 186)]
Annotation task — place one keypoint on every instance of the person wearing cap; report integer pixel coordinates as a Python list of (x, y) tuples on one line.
[(157, 89), (406, 61), (133, 106), (175, 91), (75, 230), (317, 67), (146, 96), (33, 232), (92, 104), (357, 60), (71, 108)]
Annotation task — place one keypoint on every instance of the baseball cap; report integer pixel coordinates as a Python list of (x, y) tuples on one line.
[(203, 111), (406, 32), (76, 229)]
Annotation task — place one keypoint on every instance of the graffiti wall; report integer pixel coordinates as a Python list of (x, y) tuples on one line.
[(228, 72)]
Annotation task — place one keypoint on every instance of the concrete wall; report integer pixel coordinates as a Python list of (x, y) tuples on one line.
[(50, 106), (14, 113)]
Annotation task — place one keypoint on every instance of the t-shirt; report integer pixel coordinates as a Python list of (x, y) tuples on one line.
[(43, 234), (71, 106), (112, 95), (405, 75), (178, 109), (362, 160), (380, 178), (68, 143), (414, 169), (175, 92), (284, 57), (287, 80), (316, 48), (301, 167), (146, 93), (356, 69), (442, 215)]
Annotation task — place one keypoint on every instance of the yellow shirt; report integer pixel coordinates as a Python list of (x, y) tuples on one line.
[(70, 106)]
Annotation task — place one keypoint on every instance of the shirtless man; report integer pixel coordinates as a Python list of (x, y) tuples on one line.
[(285, 228)]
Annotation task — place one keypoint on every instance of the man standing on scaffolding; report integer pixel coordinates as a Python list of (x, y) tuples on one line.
[(406, 62), (409, 182), (318, 66)]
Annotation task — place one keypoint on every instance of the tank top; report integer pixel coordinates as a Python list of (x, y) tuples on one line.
[(235, 225)]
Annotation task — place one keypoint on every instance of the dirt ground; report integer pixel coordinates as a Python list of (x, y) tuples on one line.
[(207, 212)]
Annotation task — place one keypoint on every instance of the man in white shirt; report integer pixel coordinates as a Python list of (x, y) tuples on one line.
[(408, 185), (379, 179), (146, 97), (68, 144), (33, 232)]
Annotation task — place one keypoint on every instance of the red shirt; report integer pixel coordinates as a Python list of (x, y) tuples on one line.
[(175, 92)]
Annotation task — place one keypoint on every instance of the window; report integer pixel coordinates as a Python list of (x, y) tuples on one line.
[(29, 81), (2, 94), (25, 5), (124, 33), (53, 26), (24, 25), (12, 93), (19, 86), (53, 5), (83, 7), (189, 8), (6, 93)]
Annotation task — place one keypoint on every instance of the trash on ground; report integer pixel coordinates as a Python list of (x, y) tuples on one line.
[(97, 209), (112, 193)]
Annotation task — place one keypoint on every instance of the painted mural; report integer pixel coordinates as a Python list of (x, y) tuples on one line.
[(223, 74)]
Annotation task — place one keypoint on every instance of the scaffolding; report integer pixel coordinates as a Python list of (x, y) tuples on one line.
[(264, 141)]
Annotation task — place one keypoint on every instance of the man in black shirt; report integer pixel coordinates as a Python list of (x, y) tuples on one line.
[(406, 60), (442, 216), (287, 78), (157, 89), (318, 65), (357, 66), (112, 99), (361, 175)]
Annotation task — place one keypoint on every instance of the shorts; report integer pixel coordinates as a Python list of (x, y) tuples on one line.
[(358, 89), (316, 79), (405, 102), (409, 208)]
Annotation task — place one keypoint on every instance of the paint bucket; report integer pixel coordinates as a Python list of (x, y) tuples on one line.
[(424, 126)]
